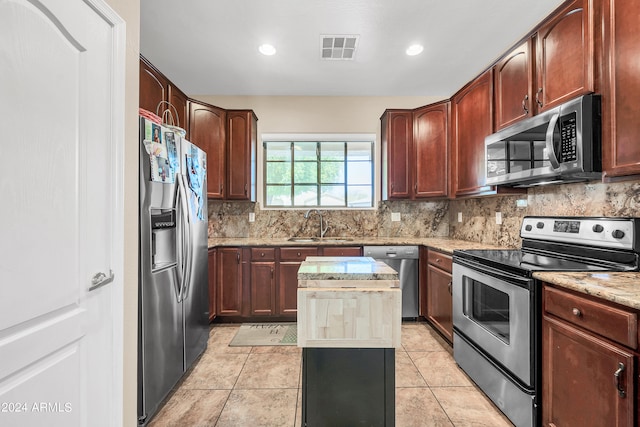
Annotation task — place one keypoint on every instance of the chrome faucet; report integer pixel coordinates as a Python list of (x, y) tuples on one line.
[(322, 230)]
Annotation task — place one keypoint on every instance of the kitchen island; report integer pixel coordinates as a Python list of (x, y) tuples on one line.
[(349, 322)]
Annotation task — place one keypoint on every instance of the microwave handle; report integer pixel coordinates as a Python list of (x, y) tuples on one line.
[(553, 158)]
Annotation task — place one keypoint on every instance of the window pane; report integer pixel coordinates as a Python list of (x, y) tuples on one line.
[(305, 172), (305, 195), (278, 173), (278, 151), (332, 195), (332, 151), (278, 195), (332, 172), (304, 151), (359, 151), (359, 173), (360, 196)]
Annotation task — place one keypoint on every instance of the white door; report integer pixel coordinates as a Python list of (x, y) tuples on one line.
[(61, 127)]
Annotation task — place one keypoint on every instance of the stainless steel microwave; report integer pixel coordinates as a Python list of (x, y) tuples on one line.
[(560, 145)]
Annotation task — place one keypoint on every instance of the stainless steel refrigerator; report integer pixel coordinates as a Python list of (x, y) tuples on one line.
[(173, 319)]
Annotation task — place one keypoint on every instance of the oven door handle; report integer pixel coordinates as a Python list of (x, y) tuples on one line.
[(523, 282)]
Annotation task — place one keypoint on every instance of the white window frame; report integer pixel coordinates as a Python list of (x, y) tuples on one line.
[(314, 137)]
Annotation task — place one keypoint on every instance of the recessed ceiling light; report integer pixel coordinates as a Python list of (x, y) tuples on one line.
[(267, 49), (414, 49)]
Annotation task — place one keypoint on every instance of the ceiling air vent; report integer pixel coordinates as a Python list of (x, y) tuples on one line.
[(339, 47)]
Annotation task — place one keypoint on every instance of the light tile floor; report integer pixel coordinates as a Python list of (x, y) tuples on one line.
[(260, 386)]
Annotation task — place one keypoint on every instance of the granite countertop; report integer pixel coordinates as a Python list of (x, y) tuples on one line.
[(345, 268), (443, 244), (621, 288)]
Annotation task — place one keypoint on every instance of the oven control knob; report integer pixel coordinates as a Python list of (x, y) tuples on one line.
[(528, 227), (540, 225), (617, 234), (597, 228)]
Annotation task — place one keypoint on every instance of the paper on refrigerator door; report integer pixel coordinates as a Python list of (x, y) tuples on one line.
[(163, 157), (196, 172)]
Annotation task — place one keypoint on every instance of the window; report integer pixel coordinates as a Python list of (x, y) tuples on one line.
[(318, 173)]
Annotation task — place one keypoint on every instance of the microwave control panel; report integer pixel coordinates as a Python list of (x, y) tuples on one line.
[(568, 138)]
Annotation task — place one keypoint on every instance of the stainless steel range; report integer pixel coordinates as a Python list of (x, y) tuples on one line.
[(497, 302)]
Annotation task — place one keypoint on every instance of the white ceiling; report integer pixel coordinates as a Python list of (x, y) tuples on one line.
[(210, 47)]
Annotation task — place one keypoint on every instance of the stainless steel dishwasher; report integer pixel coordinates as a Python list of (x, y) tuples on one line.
[(403, 259)]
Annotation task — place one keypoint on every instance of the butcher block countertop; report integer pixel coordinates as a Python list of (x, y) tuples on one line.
[(348, 302)]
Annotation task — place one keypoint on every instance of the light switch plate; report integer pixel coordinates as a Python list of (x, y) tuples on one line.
[(498, 218), (459, 216), (252, 216), (395, 216)]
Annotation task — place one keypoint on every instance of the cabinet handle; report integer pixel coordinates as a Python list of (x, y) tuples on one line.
[(617, 374), (576, 312), (538, 93), (524, 104), (449, 288), (238, 257), (415, 188), (245, 189), (262, 254), (438, 260), (299, 254), (272, 272)]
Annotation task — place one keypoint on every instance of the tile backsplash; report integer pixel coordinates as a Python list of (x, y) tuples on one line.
[(433, 218)]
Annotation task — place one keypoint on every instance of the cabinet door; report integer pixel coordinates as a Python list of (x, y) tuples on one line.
[(472, 122), (179, 100), (212, 276), (229, 282), (263, 288), (513, 86), (241, 153), (206, 130), (579, 386), (397, 152), (565, 55), (288, 288), (431, 143), (439, 301), (153, 86), (621, 91)]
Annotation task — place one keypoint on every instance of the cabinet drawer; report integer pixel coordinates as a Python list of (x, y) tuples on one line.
[(297, 254), (342, 251), (440, 260), (260, 254), (610, 322)]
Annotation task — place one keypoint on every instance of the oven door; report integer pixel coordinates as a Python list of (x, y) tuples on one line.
[(494, 310)]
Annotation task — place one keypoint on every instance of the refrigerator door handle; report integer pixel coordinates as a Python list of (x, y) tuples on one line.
[(187, 253)]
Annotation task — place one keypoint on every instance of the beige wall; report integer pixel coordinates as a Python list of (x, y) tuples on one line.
[(129, 10), (318, 114)]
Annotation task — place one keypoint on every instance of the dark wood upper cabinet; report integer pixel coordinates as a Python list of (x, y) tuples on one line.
[(513, 86), (430, 150), (207, 131), (153, 86), (472, 121), (241, 152), (565, 55), (180, 101), (397, 150), (621, 89)]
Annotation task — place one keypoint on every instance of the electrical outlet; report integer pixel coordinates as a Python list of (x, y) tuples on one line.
[(395, 216), (521, 203), (459, 216), (498, 218), (252, 216)]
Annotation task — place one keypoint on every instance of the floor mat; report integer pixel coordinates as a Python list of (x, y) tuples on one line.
[(259, 334)]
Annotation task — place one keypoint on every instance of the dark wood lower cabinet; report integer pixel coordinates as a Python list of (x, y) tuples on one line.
[(229, 282), (439, 301), (587, 379), (263, 289)]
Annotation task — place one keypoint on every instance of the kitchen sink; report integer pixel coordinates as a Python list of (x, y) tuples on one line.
[(319, 239), (303, 239)]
